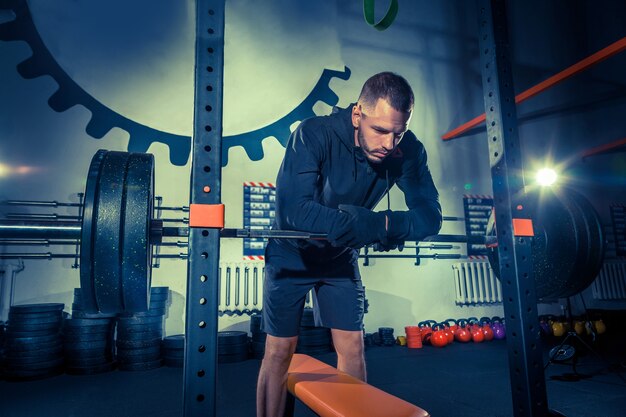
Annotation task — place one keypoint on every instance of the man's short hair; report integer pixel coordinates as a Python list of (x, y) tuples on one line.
[(389, 86)]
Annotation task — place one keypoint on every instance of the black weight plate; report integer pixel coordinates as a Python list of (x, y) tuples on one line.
[(231, 338), (174, 354), (102, 322), (237, 357), (22, 353), (129, 359), (18, 321), (159, 312), (176, 341), (58, 315), (150, 350), (34, 327), (258, 346), (88, 234), (315, 332), (90, 370), (308, 318), (107, 245), (53, 363), (554, 245), (259, 337), (597, 243), (132, 321), (87, 362), (173, 363), (159, 290), (36, 308), (316, 341), (159, 297), (80, 314), (33, 360), (77, 331), (137, 344), (86, 337), (35, 342), (140, 335), (148, 328), (141, 366), (562, 353), (16, 334), (314, 351), (232, 349), (88, 354), (136, 217), (94, 344), (255, 323)]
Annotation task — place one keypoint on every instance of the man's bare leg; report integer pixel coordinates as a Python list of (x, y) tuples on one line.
[(271, 390), (350, 352)]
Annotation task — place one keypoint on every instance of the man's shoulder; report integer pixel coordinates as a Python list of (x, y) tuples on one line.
[(410, 145)]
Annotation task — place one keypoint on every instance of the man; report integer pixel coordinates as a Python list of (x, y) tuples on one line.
[(336, 169)]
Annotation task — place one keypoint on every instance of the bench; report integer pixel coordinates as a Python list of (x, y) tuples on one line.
[(332, 393)]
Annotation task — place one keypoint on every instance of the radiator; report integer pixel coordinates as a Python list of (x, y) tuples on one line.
[(241, 288), (610, 284), (475, 283)]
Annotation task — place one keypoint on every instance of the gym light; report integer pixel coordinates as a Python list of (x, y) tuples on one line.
[(546, 177)]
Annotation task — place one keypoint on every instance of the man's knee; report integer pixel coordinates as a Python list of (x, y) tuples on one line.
[(348, 344), (279, 349)]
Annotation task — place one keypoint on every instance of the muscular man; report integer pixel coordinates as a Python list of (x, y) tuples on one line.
[(336, 169)]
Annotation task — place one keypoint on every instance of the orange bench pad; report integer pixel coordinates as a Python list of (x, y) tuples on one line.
[(332, 393)]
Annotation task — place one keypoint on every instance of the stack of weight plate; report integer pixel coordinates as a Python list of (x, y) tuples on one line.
[(88, 345), (139, 335), (258, 337), (312, 340), (386, 336), (173, 350), (33, 346), (232, 346)]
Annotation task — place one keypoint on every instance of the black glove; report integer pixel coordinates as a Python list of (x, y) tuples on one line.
[(363, 227), (386, 247)]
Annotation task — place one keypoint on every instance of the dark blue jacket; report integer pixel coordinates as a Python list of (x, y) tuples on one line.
[(322, 169)]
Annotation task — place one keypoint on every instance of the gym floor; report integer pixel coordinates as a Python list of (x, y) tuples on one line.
[(459, 380)]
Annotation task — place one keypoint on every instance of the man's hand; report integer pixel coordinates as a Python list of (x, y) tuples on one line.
[(386, 247), (364, 228)]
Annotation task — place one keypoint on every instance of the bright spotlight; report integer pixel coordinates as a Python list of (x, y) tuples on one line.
[(546, 177)]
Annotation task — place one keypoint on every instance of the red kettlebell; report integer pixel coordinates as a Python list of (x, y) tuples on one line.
[(486, 328), (452, 326), (476, 331), (462, 334), (439, 337), (425, 331), (448, 330)]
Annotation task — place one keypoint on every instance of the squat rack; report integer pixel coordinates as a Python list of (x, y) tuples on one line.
[(523, 336)]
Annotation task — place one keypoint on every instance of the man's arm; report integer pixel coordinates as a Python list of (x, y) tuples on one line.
[(297, 181), (422, 198)]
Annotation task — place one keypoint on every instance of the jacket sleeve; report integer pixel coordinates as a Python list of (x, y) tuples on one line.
[(422, 198), (297, 181)]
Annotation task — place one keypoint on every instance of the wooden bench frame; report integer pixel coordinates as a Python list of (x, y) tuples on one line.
[(332, 393)]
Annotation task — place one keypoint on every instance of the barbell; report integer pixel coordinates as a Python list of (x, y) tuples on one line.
[(117, 229)]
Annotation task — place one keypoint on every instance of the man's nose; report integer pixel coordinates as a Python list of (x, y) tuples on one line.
[(388, 141)]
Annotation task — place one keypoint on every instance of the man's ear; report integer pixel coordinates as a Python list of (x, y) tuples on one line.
[(356, 116)]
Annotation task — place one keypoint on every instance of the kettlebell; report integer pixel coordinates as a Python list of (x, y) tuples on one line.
[(558, 329), (425, 331), (579, 327), (462, 334), (439, 337), (486, 328), (499, 331), (600, 326)]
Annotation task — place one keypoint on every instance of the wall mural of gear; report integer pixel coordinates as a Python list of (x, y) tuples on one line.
[(103, 119)]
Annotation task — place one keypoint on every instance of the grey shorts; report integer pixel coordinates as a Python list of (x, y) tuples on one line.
[(338, 298)]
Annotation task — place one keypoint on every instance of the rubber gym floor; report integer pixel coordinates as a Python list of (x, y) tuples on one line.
[(459, 380)]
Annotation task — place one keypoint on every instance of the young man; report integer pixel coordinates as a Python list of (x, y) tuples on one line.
[(336, 169)]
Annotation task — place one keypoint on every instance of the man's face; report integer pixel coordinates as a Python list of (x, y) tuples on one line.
[(378, 130)]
